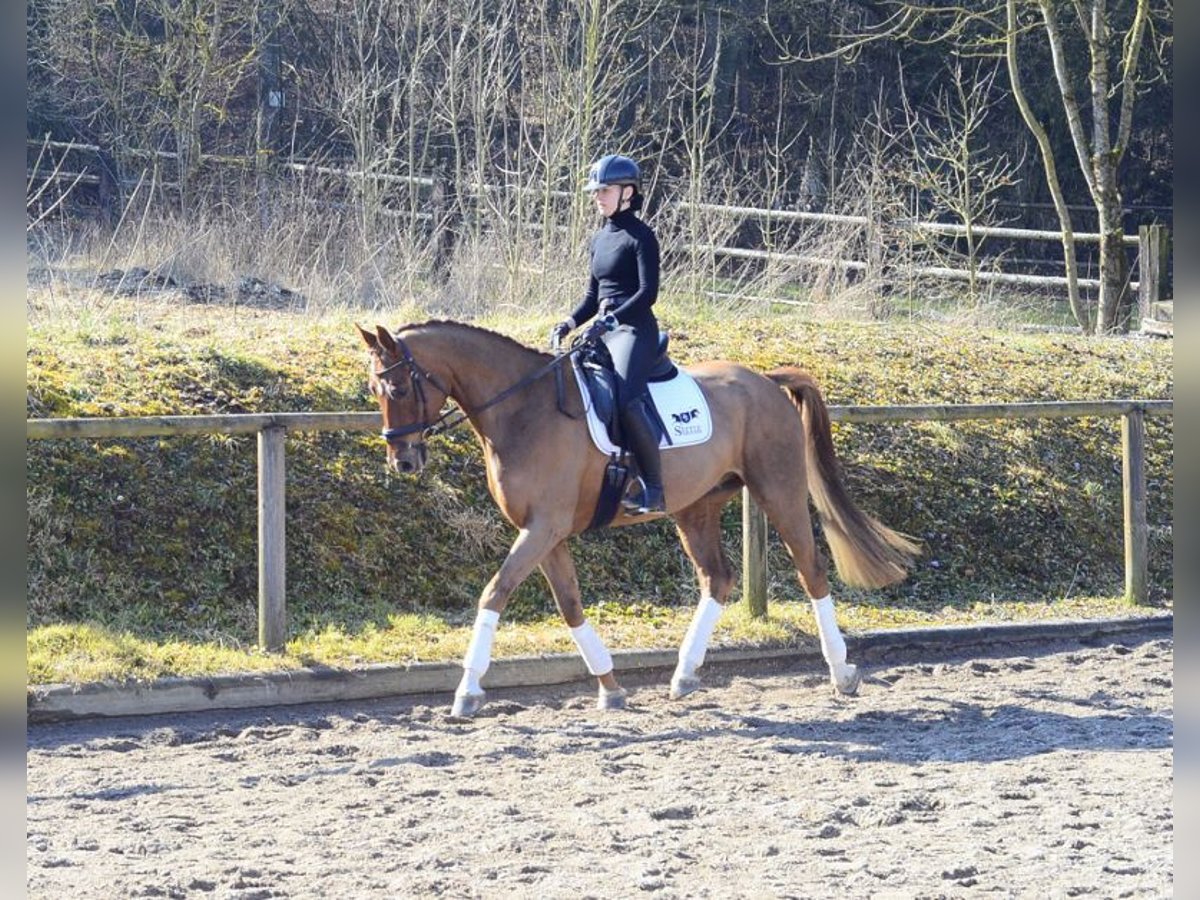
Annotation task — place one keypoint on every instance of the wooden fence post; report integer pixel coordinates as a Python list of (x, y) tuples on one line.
[(272, 572), (754, 556), (1133, 479), (1153, 255)]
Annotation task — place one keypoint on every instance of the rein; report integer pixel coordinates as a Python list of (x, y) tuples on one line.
[(454, 417)]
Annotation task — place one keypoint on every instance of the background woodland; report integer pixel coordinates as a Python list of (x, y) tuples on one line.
[(465, 125)]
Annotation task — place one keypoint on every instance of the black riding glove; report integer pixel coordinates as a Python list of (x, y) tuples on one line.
[(558, 332), (601, 327)]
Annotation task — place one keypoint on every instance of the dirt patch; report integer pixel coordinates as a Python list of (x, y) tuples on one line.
[(1047, 774)]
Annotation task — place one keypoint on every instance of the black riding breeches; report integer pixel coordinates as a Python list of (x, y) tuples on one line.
[(633, 350)]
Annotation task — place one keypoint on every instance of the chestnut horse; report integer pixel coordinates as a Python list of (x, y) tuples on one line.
[(771, 434)]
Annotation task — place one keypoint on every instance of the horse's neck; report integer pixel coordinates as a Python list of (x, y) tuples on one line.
[(478, 366)]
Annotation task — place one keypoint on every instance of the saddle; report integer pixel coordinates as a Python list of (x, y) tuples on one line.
[(594, 370), (594, 367)]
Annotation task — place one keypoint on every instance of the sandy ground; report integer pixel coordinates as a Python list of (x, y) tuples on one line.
[(980, 774)]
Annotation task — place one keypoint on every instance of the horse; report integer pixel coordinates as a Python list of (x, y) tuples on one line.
[(771, 435)]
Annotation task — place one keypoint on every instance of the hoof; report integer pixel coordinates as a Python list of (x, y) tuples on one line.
[(683, 685), (612, 699), (846, 680), (466, 705)]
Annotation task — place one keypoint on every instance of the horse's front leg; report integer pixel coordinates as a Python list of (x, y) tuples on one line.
[(559, 569), (526, 553)]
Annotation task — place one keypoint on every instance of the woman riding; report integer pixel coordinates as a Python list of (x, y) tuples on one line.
[(621, 290)]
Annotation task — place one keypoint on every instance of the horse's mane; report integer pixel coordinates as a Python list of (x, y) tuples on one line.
[(487, 332)]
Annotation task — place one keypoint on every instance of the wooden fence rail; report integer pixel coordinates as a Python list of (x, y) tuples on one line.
[(272, 429), (943, 228), (1151, 258), (983, 275)]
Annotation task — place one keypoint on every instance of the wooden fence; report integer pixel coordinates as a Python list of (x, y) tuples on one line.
[(1152, 259), (944, 229), (272, 429)]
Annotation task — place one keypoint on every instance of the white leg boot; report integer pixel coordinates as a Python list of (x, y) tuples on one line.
[(694, 646), (843, 675), (599, 662), (470, 696)]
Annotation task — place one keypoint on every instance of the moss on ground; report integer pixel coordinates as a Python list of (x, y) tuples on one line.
[(144, 550)]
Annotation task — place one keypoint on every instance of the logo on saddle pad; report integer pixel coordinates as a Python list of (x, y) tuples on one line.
[(682, 420)]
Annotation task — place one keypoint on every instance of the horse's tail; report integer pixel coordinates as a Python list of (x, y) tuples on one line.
[(865, 552)]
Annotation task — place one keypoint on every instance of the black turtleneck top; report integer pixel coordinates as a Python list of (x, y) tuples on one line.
[(624, 272)]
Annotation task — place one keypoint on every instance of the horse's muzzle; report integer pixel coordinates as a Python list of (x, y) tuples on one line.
[(406, 458)]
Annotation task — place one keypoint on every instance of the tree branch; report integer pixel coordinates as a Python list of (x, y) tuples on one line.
[(1129, 66), (1067, 91)]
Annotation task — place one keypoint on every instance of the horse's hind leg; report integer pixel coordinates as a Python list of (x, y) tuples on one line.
[(559, 569), (700, 532), (786, 505)]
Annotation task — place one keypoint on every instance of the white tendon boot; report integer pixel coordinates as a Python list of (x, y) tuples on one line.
[(470, 696), (843, 675), (693, 648), (599, 662)]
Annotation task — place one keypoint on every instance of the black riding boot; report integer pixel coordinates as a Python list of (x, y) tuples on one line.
[(642, 439)]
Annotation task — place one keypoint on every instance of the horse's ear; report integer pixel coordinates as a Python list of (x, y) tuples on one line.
[(369, 339), (385, 339)]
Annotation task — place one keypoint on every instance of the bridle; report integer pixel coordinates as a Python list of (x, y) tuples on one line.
[(417, 378), (451, 418)]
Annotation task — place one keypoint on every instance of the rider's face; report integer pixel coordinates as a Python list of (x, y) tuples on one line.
[(608, 199)]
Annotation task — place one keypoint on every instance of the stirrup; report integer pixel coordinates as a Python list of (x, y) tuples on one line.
[(639, 505)]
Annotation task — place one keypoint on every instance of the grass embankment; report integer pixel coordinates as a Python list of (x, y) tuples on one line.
[(141, 553)]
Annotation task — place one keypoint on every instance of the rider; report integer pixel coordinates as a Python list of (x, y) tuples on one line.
[(621, 290)]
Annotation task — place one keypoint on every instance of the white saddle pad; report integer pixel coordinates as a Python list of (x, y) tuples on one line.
[(681, 404)]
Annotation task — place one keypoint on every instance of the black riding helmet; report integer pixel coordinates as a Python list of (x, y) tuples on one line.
[(612, 169)]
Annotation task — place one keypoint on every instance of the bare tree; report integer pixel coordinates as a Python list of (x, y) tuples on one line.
[(151, 74), (697, 129), (874, 186), (590, 63), (1113, 35), (1114, 76), (953, 166), (1050, 168)]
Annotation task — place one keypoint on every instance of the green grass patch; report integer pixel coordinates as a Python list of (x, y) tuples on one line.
[(81, 653)]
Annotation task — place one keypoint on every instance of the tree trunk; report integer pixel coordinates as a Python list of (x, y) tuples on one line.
[(270, 102), (1117, 301), (1099, 160), (1047, 154)]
